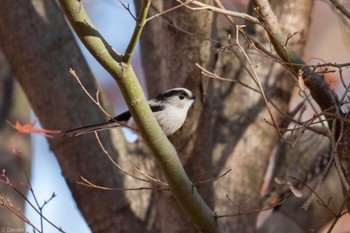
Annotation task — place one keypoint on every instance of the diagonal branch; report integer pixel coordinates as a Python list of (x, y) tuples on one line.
[(140, 23), (181, 187), (319, 89)]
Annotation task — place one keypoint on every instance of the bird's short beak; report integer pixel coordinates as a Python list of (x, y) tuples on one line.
[(194, 97)]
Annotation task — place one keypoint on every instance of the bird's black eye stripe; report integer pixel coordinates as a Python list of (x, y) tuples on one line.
[(166, 95)]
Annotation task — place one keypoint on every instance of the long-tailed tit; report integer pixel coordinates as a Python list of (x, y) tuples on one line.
[(169, 108)]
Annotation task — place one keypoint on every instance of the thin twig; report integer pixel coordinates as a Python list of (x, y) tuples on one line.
[(165, 11), (106, 153), (5, 180), (259, 83), (171, 23), (203, 6), (212, 179), (155, 180), (239, 212), (212, 75), (318, 184), (323, 203), (149, 178), (249, 40), (97, 101), (127, 7), (88, 183), (17, 212)]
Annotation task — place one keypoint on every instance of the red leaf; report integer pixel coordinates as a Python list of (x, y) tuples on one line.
[(29, 129)]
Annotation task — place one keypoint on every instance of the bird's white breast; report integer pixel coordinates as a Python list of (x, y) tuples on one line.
[(171, 119)]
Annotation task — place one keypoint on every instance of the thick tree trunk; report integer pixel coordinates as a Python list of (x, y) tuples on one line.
[(40, 49), (226, 129), (252, 141)]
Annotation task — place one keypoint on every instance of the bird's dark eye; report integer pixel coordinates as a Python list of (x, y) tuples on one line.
[(181, 97)]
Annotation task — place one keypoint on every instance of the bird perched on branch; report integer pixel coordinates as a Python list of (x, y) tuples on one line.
[(169, 108)]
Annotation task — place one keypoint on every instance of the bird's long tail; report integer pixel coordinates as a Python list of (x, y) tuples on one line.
[(91, 129)]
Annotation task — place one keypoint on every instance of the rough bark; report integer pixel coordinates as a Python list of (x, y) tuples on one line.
[(40, 49), (237, 137), (255, 140), (290, 216)]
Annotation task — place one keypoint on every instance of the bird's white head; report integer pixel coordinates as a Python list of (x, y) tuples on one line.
[(180, 98)]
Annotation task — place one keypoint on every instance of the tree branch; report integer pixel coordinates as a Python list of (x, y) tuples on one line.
[(140, 23), (181, 187), (319, 89), (203, 6)]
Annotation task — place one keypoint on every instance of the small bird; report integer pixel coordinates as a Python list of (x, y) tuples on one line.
[(169, 108)]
